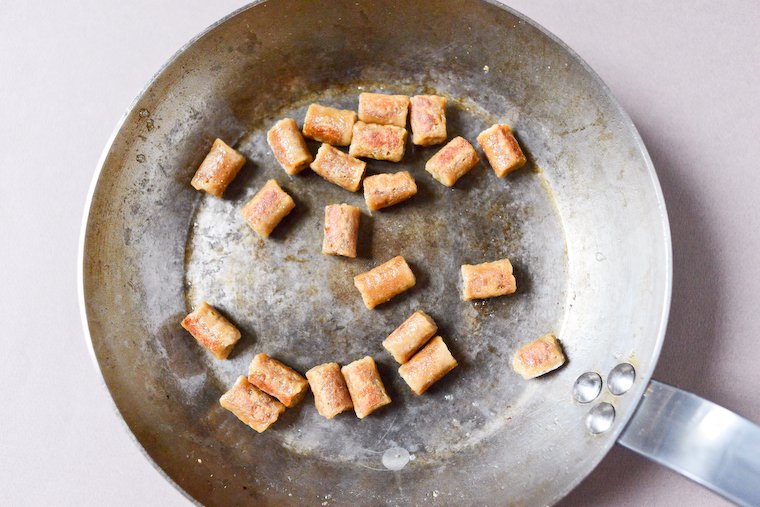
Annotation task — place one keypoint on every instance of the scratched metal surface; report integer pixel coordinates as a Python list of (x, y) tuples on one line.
[(584, 226)]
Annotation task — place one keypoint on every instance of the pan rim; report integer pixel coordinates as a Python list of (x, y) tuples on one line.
[(645, 376)]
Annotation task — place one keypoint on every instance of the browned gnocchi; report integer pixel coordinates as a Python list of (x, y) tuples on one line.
[(412, 334), (289, 147), (366, 387), (383, 190), (212, 330), (487, 280), (331, 396), (428, 119), (502, 149), (277, 379), (428, 366), (385, 282), (251, 405), (453, 161), (218, 169), (267, 208), (341, 230), (329, 125), (339, 168), (380, 142), (383, 109), (378, 132), (538, 357)]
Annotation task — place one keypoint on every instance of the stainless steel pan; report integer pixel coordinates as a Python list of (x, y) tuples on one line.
[(584, 224)]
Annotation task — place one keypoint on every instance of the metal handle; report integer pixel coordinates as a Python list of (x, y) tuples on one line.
[(699, 439)]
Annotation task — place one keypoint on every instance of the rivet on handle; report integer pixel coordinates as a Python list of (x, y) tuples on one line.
[(621, 378)]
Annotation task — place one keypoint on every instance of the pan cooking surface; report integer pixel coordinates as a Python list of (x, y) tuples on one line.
[(301, 306), (584, 226)]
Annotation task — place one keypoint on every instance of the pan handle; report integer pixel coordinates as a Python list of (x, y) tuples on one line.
[(699, 439)]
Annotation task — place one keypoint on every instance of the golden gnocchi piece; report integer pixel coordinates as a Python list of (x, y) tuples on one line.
[(277, 379), (252, 406), (412, 334), (365, 385), (383, 190), (380, 142), (218, 169), (453, 161), (383, 109), (331, 395), (212, 330), (428, 119), (502, 149), (488, 280), (289, 146), (339, 168), (428, 366), (384, 282), (538, 357), (267, 208), (329, 125), (341, 230)]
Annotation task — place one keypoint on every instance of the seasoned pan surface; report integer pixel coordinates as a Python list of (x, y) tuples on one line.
[(583, 224)]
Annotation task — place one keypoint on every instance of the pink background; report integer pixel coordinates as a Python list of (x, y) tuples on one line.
[(687, 71)]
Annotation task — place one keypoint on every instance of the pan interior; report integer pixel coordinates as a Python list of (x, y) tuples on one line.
[(300, 305), (583, 225)]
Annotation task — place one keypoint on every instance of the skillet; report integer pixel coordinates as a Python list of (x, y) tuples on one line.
[(584, 224)]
